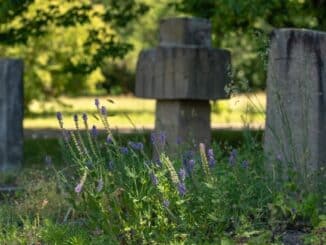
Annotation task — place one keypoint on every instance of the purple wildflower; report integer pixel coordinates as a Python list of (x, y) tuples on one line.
[(182, 174), (182, 189), (154, 179), (245, 164), (166, 203), (66, 135), (84, 117), (124, 150), (188, 161), (48, 160), (110, 165), (97, 102), (94, 132), (158, 138), (109, 140), (191, 164), (103, 111), (279, 157), (233, 156), (79, 188), (76, 118), (138, 146), (211, 158), (59, 116), (99, 185)]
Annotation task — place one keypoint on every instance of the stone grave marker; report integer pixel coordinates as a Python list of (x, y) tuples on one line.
[(11, 114), (183, 73), (295, 132)]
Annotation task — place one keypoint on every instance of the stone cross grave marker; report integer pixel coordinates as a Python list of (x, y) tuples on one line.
[(11, 114), (295, 133), (183, 73)]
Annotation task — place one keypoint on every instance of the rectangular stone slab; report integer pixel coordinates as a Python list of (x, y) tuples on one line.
[(182, 73), (295, 133), (11, 114)]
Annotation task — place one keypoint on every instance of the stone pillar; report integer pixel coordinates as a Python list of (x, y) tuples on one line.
[(295, 134), (183, 73), (11, 114)]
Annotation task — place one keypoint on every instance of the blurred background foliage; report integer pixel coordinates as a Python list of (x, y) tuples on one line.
[(76, 47)]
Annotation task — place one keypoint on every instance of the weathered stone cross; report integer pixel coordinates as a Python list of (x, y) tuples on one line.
[(183, 73)]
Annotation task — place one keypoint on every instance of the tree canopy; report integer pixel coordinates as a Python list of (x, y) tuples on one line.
[(241, 26)]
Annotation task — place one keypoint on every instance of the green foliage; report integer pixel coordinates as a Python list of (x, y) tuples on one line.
[(243, 26), (65, 43)]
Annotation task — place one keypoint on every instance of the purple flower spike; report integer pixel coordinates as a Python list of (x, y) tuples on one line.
[(182, 174), (233, 157), (97, 102), (59, 116), (75, 118), (182, 189), (103, 111), (154, 179), (211, 158), (124, 150), (158, 138), (79, 188), (85, 117), (166, 203), (245, 164), (110, 165), (94, 132), (138, 146), (99, 185), (109, 140), (48, 160)]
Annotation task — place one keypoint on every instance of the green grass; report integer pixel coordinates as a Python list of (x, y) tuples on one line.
[(126, 112)]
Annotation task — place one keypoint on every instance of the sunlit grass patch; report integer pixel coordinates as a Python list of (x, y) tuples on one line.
[(129, 112)]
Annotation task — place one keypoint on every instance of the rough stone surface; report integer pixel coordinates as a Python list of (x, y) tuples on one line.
[(295, 132), (182, 73), (11, 114), (183, 120)]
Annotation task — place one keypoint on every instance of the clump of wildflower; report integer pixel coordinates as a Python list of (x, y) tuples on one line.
[(233, 157), (138, 146), (124, 150), (154, 179), (211, 158), (99, 185), (94, 132)]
